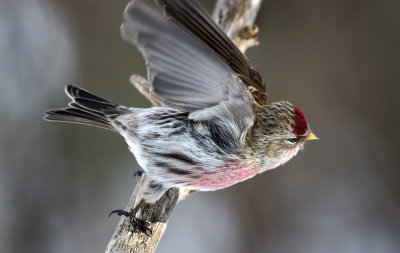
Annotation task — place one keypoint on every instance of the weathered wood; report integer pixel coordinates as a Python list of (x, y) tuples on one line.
[(236, 17), (143, 86), (125, 240)]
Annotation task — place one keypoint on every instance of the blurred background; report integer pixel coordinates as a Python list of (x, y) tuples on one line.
[(336, 60)]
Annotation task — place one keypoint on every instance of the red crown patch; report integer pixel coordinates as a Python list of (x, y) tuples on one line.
[(300, 124)]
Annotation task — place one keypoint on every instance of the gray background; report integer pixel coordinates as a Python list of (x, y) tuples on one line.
[(338, 61)]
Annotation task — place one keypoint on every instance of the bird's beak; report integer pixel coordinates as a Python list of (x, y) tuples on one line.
[(311, 136)]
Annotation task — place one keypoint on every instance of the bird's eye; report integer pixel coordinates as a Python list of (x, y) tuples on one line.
[(293, 140)]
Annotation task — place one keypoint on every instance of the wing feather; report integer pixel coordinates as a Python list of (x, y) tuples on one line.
[(184, 72), (192, 17)]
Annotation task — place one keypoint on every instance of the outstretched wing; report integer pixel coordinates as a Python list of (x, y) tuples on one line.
[(195, 20), (185, 73)]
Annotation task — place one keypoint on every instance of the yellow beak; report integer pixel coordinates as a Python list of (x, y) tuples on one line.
[(311, 136)]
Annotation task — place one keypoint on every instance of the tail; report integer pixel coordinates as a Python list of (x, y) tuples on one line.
[(86, 108)]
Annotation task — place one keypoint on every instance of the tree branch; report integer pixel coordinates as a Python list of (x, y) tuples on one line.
[(236, 17)]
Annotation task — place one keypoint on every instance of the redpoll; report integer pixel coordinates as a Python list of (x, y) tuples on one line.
[(214, 128)]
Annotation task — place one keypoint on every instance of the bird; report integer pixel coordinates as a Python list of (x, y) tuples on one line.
[(213, 127)]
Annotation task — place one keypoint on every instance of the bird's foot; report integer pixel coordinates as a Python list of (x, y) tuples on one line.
[(138, 225)]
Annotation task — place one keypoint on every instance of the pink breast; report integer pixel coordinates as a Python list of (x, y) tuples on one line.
[(224, 176)]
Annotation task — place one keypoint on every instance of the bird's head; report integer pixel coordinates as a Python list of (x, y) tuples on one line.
[(279, 132)]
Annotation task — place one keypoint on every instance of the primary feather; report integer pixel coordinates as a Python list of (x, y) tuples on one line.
[(191, 16), (184, 72)]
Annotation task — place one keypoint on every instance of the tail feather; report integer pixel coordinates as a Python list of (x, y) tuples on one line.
[(86, 108), (76, 92)]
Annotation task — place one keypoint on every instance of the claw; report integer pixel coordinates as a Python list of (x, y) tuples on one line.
[(141, 226), (138, 225), (119, 212)]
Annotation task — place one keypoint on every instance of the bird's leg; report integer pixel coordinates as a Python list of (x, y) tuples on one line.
[(137, 224)]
